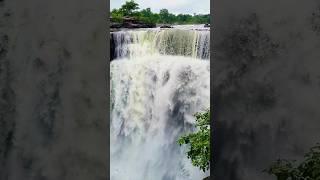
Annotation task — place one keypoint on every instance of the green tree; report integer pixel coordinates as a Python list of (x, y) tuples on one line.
[(308, 169), (117, 15), (146, 15), (184, 18), (171, 18), (199, 142), (146, 12), (129, 8), (164, 15)]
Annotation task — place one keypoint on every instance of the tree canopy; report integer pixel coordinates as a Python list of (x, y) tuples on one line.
[(128, 8), (199, 142), (131, 9)]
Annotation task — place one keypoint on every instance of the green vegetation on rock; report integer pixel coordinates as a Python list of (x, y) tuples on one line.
[(199, 141)]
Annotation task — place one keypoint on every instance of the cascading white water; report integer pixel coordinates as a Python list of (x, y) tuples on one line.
[(192, 43), (153, 98)]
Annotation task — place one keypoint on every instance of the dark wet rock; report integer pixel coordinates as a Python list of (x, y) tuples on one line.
[(137, 25), (115, 25), (112, 48), (166, 26), (206, 25)]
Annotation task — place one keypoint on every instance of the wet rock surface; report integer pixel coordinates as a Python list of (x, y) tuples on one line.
[(166, 26)]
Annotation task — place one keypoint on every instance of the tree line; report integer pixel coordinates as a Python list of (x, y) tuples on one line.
[(131, 9)]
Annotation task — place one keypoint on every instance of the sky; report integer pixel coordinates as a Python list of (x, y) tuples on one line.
[(174, 6)]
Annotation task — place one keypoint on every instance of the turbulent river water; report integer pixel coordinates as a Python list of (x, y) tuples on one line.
[(159, 79)]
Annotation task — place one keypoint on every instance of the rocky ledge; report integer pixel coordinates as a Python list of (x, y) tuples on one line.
[(166, 26), (129, 23)]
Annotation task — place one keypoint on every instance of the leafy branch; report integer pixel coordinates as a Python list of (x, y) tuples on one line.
[(199, 149)]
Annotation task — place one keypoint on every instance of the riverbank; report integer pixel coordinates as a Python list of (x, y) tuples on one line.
[(128, 23)]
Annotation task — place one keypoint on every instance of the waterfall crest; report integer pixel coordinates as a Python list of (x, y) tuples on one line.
[(191, 43)]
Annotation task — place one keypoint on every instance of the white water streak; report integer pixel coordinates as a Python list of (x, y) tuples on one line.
[(139, 43)]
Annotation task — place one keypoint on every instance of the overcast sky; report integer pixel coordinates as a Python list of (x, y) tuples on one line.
[(174, 6)]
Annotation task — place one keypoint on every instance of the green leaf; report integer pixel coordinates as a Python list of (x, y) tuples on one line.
[(199, 141)]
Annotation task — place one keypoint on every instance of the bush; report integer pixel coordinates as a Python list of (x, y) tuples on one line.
[(199, 149)]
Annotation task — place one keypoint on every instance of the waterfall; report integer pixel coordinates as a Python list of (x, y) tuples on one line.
[(159, 80), (192, 43)]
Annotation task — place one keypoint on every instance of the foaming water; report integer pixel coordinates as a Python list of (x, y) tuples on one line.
[(153, 98), (185, 42)]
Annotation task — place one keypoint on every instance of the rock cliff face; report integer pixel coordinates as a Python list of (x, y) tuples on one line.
[(112, 48)]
